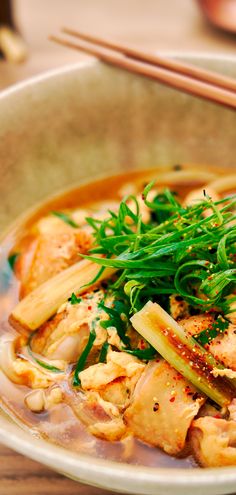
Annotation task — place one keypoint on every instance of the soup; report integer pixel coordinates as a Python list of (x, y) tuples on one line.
[(118, 318)]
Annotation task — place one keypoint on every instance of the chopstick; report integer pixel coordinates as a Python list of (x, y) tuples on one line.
[(167, 63), (198, 82)]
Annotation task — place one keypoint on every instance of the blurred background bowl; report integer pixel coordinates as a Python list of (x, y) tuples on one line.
[(221, 13), (87, 121)]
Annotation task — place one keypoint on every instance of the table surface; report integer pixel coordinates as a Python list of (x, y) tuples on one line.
[(149, 24)]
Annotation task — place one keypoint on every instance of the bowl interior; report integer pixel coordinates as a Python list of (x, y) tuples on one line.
[(84, 122)]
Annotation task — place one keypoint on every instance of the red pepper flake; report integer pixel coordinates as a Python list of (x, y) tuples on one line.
[(142, 344), (172, 399), (89, 307), (143, 197), (217, 416)]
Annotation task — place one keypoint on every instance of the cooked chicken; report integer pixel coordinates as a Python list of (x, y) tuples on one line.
[(196, 324), (102, 418), (223, 347), (20, 370), (65, 336), (119, 365), (119, 391), (163, 406), (213, 441), (52, 247), (197, 195)]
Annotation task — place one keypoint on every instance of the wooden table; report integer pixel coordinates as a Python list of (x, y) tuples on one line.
[(152, 24)]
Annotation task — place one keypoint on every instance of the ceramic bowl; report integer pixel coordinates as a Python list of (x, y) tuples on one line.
[(88, 121)]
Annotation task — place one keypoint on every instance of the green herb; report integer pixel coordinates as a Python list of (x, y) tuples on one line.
[(73, 299), (132, 289), (83, 357), (41, 363), (218, 327), (103, 353), (187, 253), (12, 260), (118, 318), (145, 354), (163, 206), (65, 218), (48, 367)]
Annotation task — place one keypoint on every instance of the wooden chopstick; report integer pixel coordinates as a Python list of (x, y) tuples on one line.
[(157, 60), (185, 83)]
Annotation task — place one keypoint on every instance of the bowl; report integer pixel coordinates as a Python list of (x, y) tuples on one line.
[(221, 13), (87, 121)]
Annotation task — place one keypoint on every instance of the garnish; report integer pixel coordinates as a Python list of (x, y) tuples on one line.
[(118, 318), (187, 254), (84, 355), (12, 260), (73, 299), (65, 218), (145, 354), (41, 363), (103, 353), (217, 327)]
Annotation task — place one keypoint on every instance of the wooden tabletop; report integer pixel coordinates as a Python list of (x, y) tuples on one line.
[(149, 24)]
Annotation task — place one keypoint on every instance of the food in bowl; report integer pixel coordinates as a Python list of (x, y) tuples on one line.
[(118, 326)]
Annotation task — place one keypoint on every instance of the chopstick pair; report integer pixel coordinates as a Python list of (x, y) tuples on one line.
[(187, 78)]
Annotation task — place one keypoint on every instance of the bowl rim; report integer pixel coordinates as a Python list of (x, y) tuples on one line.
[(74, 66), (107, 473)]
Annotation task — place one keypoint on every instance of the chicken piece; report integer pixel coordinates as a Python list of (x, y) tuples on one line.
[(197, 195), (119, 364), (22, 371), (163, 407), (53, 224), (53, 247), (119, 391), (66, 335), (115, 380), (213, 441), (102, 418), (222, 347), (196, 324)]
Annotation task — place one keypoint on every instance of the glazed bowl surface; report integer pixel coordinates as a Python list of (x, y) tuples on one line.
[(87, 121)]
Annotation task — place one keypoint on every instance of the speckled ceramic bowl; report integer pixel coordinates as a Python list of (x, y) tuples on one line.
[(87, 121)]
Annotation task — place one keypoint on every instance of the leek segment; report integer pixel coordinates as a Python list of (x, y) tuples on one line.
[(42, 303), (182, 352)]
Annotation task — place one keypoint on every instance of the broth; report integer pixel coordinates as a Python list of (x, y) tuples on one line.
[(60, 424)]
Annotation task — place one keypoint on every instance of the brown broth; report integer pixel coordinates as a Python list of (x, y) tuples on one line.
[(61, 425)]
